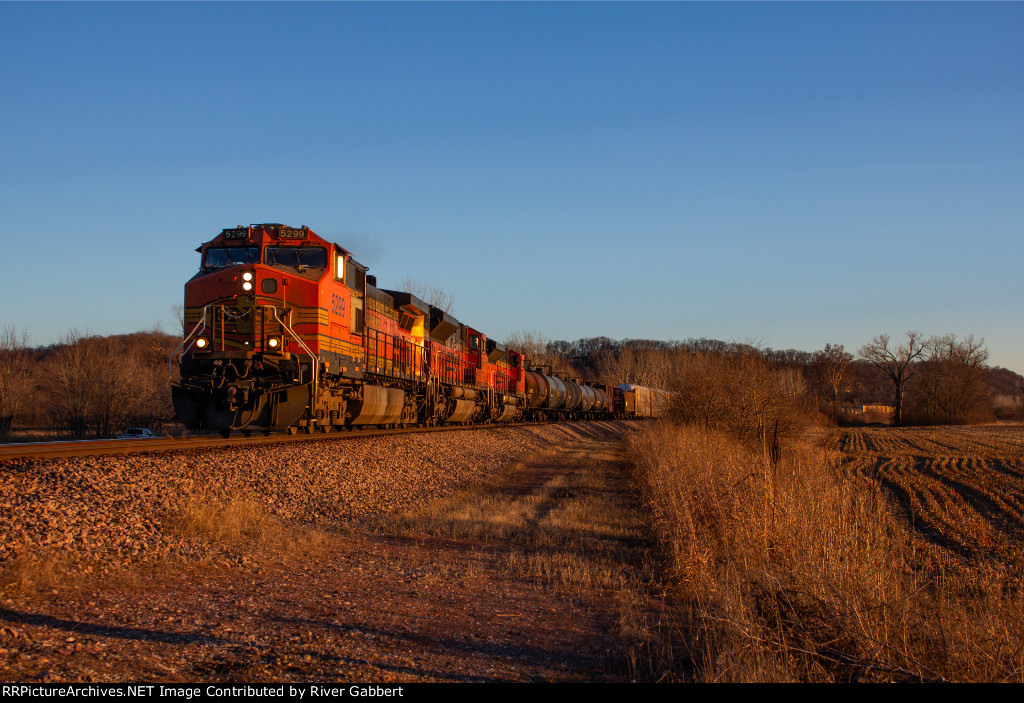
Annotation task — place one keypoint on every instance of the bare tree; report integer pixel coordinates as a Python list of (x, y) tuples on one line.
[(700, 387), (896, 363), (16, 380), (834, 362), (102, 384), (529, 343), (69, 379), (537, 350), (178, 313), (952, 386), (438, 297)]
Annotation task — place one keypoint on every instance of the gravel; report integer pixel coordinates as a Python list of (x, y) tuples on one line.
[(112, 510)]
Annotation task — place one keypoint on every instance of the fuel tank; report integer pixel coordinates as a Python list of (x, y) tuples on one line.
[(463, 411), (380, 406)]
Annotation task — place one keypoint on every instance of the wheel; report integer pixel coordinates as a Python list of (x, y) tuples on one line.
[(292, 430), (326, 429), (247, 433), (225, 433)]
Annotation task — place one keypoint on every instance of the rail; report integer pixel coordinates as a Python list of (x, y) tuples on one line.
[(99, 447)]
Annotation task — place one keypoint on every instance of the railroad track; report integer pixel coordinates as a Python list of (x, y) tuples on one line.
[(95, 447)]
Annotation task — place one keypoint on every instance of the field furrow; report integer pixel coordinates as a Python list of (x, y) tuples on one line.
[(959, 488)]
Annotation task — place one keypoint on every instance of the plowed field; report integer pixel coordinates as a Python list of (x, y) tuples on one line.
[(960, 489)]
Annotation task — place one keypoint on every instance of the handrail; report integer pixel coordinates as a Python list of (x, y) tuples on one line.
[(170, 360), (302, 344)]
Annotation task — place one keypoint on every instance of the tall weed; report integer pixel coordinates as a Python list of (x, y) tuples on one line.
[(794, 570)]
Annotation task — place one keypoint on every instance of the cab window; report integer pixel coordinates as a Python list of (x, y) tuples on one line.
[(219, 257), (297, 257)]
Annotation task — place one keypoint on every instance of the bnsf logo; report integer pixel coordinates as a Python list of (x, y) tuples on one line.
[(337, 304)]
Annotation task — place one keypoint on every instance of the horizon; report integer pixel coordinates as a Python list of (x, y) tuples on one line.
[(797, 174)]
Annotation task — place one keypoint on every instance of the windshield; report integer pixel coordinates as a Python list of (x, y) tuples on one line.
[(300, 257), (218, 257)]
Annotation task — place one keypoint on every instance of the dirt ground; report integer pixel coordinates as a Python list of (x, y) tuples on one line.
[(543, 574)]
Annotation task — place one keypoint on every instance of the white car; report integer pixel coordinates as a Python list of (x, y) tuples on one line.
[(137, 433)]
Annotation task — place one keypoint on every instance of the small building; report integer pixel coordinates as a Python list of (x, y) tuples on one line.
[(880, 409)]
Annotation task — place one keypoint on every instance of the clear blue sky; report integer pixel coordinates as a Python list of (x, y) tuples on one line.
[(793, 173)]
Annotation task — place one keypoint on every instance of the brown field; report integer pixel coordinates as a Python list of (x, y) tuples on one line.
[(959, 489), (882, 554)]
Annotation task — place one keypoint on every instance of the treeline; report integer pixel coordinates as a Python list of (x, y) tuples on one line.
[(924, 380), (96, 386), (85, 385)]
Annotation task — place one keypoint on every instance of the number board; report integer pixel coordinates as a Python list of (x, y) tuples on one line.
[(236, 234), (291, 233)]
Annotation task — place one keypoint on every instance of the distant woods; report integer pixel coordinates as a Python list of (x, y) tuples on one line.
[(93, 386), (16, 377), (440, 298), (85, 386), (915, 380), (946, 376)]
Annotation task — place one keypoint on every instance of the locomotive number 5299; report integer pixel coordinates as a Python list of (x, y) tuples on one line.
[(337, 304)]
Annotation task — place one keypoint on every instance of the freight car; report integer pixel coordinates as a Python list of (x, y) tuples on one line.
[(285, 330), (640, 401)]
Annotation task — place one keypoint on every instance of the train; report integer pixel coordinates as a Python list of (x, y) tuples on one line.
[(286, 331)]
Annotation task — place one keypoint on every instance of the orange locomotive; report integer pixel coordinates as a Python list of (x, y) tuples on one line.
[(286, 330)]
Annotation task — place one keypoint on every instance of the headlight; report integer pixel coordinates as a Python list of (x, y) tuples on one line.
[(273, 342), (247, 286), (247, 276), (202, 343)]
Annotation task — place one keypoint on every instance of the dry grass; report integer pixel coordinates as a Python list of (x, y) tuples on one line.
[(42, 573), (51, 571), (237, 532), (244, 526), (808, 571)]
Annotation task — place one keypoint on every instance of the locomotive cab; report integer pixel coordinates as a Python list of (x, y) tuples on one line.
[(245, 362)]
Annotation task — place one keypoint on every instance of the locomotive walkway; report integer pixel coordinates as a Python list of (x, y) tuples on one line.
[(543, 574)]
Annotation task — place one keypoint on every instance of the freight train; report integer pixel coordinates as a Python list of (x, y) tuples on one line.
[(285, 330)]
